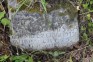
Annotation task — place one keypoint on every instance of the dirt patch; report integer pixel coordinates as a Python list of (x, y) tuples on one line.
[(4, 40)]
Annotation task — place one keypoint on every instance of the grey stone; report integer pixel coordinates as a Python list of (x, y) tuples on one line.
[(34, 31)]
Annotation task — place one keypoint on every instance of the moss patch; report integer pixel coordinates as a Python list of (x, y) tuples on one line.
[(35, 7)]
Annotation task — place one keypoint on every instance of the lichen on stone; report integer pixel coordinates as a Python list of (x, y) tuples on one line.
[(39, 31)]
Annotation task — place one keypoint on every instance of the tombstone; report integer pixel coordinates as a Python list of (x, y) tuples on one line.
[(57, 28)]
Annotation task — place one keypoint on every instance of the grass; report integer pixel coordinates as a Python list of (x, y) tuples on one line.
[(80, 52)]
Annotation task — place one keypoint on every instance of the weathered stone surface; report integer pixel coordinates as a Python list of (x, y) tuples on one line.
[(34, 31)]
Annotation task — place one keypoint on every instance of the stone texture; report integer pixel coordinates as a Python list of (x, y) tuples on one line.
[(34, 31)]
